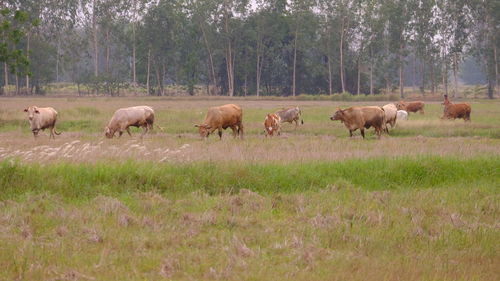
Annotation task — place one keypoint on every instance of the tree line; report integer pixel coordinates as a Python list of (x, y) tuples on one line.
[(247, 47)]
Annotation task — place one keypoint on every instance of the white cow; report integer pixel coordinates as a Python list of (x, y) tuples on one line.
[(42, 118), (402, 115)]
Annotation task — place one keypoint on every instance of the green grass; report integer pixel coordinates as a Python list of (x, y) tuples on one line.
[(90, 180), (384, 219)]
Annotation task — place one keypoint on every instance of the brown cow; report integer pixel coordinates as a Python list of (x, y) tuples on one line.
[(42, 118), (454, 111), (358, 117), (222, 117), (136, 116), (413, 106), (272, 124)]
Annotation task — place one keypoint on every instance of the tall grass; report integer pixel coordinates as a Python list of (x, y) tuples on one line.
[(110, 178)]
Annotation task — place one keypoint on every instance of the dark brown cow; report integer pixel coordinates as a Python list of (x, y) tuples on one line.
[(272, 124), (222, 117), (454, 111), (361, 118), (413, 106)]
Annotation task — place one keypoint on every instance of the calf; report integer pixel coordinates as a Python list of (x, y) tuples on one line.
[(291, 115), (272, 124)]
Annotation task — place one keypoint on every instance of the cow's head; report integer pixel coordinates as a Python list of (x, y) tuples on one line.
[(400, 105), (108, 132), (446, 101), (338, 115), (32, 110), (204, 130)]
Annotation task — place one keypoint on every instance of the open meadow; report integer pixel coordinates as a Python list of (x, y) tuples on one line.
[(422, 203)]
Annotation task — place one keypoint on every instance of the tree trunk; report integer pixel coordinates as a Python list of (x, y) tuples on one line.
[(148, 72), (210, 57), (371, 78), (17, 84), (330, 82), (28, 57), (496, 68), (433, 83), (401, 71), (422, 88), (6, 76), (295, 58), (259, 67), (414, 74), (455, 70), (58, 54), (341, 49), (229, 54), (445, 77), (163, 76), (158, 80), (359, 78), (94, 34), (134, 75), (107, 51)]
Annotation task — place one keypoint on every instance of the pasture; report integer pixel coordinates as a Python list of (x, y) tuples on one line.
[(420, 204)]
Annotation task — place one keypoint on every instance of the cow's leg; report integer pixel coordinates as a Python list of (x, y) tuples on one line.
[(52, 133), (350, 133), (220, 134), (362, 132), (144, 131), (235, 131), (128, 131), (120, 133), (240, 130)]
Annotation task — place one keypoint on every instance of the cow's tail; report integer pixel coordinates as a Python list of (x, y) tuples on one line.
[(56, 132), (300, 113)]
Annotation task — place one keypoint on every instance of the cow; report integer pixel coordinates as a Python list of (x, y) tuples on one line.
[(361, 118), (41, 118), (390, 111), (222, 117), (272, 124), (136, 116), (454, 111), (290, 115), (414, 106), (402, 115)]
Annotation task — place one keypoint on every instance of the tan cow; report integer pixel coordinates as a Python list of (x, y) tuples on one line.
[(136, 116), (222, 117), (454, 111), (41, 118), (414, 106), (272, 124), (290, 115), (391, 113), (361, 118)]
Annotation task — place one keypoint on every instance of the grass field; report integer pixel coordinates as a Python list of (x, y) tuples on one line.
[(420, 204)]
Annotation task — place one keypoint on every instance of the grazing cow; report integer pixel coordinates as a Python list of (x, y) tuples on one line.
[(361, 118), (42, 118), (272, 124), (413, 106), (291, 115), (222, 117), (402, 115), (454, 111), (390, 111), (136, 116)]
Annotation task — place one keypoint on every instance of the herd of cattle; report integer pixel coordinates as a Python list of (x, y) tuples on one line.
[(231, 116)]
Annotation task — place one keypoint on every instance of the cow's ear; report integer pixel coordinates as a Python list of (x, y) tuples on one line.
[(196, 125), (25, 110)]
